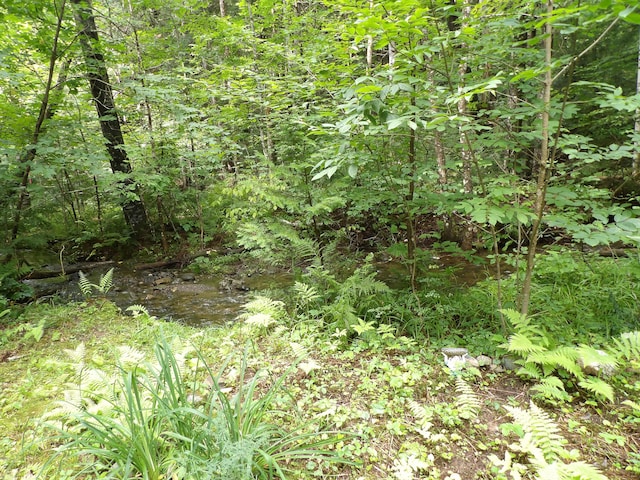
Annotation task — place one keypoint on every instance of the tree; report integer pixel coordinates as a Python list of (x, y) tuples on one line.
[(132, 206), (46, 111)]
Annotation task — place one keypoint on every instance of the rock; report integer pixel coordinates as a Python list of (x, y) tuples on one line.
[(230, 284), (604, 366), (472, 362), (509, 363), (187, 277), (484, 360), (454, 352), (163, 280), (240, 285)]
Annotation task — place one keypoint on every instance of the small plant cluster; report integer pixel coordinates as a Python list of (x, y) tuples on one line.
[(540, 450), (102, 287), (553, 366), (147, 421), (340, 305)]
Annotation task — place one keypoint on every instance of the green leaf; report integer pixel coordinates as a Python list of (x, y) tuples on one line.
[(598, 387), (520, 343), (630, 15), (327, 172)]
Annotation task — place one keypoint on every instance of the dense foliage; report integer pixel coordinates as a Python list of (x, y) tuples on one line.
[(295, 128), (328, 139)]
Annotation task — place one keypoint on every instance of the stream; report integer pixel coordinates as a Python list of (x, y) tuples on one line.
[(202, 300)]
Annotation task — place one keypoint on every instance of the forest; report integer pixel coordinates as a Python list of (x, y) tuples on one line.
[(296, 239)]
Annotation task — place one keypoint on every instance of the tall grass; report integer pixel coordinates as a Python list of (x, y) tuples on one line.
[(152, 429)]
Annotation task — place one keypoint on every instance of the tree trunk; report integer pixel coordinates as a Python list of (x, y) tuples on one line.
[(542, 164), (468, 230), (134, 212), (46, 112), (636, 155)]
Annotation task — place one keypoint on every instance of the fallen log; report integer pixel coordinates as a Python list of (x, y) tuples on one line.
[(155, 265), (59, 271), (180, 261)]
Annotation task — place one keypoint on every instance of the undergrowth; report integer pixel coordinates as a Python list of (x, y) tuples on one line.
[(147, 420)]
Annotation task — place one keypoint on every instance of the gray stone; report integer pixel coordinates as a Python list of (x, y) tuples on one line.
[(472, 362), (484, 360), (187, 277), (509, 363), (454, 351), (604, 368)]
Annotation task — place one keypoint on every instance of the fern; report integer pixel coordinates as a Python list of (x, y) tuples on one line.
[(544, 447), (305, 294), (598, 387), (86, 287), (106, 282), (551, 388), (262, 304), (419, 411), (523, 325), (540, 430), (263, 312), (276, 243), (406, 466), (137, 310), (102, 287), (521, 344), (563, 357), (627, 346), (468, 402), (531, 370), (541, 363)]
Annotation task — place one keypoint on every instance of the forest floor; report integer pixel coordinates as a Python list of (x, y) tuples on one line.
[(406, 414)]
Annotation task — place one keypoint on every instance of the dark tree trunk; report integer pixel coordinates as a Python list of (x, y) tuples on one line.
[(134, 211)]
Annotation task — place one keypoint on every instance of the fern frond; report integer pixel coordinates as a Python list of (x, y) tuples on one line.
[(552, 388), (523, 345), (129, 357), (298, 350), (261, 304), (86, 287), (305, 294), (419, 411), (540, 430), (598, 387), (405, 466), (77, 355), (260, 320), (468, 402), (530, 370), (514, 316), (106, 281), (564, 357), (627, 346), (96, 381), (577, 470), (137, 310)]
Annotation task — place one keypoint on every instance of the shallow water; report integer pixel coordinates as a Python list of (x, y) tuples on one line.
[(210, 299), (201, 302)]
